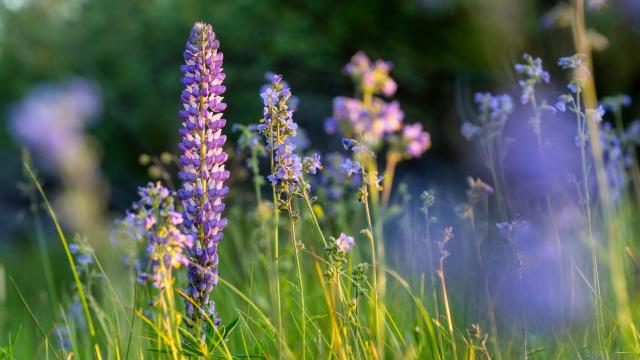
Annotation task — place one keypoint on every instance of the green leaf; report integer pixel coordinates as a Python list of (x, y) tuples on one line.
[(229, 328)]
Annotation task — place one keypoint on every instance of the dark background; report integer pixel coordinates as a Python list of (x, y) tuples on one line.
[(443, 51)]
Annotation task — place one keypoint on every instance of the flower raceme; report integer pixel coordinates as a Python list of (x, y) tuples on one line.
[(202, 164), (157, 223), (280, 131)]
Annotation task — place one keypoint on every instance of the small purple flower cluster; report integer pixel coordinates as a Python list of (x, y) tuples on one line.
[(280, 133), (345, 242), (370, 118), (494, 110), (535, 74), (371, 77), (576, 64), (370, 122), (83, 254), (202, 163), (416, 140)]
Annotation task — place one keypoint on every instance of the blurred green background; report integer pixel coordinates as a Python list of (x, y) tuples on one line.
[(443, 51)]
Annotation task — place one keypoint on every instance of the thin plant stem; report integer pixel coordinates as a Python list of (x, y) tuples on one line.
[(374, 262), (296, 249), (447, 309)]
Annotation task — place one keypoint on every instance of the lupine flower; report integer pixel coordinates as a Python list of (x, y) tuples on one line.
[(159, 230), (416, 140), (51, 120), (202, 163), (345, 242)]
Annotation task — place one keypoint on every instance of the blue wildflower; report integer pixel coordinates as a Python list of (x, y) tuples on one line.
[(570, 62), (350, 167), (469, 130), (312, 163)]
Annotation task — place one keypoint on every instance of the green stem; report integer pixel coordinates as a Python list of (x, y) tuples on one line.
[(65, 245), (292, 225)]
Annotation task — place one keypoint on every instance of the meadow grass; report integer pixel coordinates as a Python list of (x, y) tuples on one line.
[(375, 273)]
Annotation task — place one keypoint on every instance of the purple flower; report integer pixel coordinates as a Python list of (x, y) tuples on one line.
[(370, 76), (51, 120), (416, 140), (83, 254), (350, 167), (345, 242), (469, 130), (289, 166), (282, 136), (312, 163), (596, 114), (157, 226), (535, 74), (202, 162), (331, 126), (497, 106), (370, 118), (570, 62)]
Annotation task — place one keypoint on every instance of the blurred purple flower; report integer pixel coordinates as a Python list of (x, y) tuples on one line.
[(350, 167), (416, 140), (51, 120)]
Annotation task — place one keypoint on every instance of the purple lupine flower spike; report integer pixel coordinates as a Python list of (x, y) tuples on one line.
[(202, 164)]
